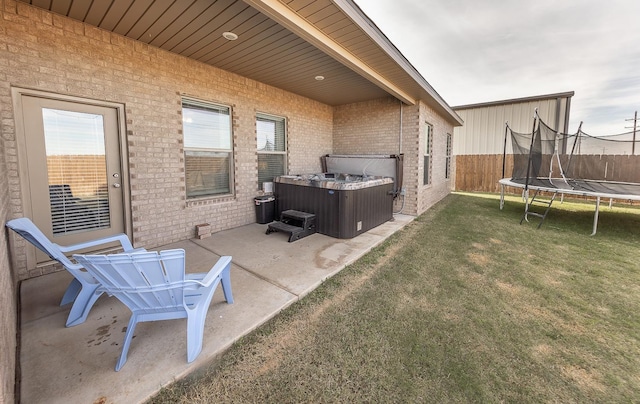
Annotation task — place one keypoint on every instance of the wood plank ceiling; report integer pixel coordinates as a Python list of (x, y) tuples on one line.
[(264, 51)]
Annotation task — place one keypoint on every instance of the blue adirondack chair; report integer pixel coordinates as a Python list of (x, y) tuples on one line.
[(83, 290), (154, 286)]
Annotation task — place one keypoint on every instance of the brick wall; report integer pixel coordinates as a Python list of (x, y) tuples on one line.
[(373, 127), (43, 51), (370, 127), (411, 132), (8, 299), (440, 186), (8, 276)]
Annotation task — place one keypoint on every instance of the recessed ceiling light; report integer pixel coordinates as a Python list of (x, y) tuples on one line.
[(230, 36), (319, 78)]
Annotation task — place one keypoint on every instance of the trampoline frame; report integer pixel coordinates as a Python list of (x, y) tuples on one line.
[(562, 187)]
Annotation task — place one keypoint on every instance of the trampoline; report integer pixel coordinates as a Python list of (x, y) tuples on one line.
[(548, 163)]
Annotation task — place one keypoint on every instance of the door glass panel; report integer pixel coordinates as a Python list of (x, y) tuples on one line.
[(76, 169)]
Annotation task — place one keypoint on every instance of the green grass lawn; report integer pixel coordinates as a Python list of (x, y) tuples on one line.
[(463, 305)]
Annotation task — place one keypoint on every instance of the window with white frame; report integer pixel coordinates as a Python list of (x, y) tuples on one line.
[(447, 172), (271, 134), (208, 150), (428, 150)]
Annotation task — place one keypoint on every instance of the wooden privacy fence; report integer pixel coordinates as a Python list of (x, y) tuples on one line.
[(481, 173), (85, 175)]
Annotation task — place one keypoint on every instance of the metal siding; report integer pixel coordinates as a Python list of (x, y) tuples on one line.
[(483, 130), (461, 133), (476, 118), (499, 123), (564, 126), (487, 139), (493, 142)]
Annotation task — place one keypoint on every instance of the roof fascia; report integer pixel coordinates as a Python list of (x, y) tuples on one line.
[(286, 17), (567, 94), (360, 18)]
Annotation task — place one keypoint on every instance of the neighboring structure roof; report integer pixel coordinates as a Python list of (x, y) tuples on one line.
[(566, 94), (283, 43)]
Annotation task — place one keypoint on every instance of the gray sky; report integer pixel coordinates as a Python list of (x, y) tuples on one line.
[(475, 51)]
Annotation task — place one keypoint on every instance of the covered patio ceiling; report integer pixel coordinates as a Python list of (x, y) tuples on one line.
[(283, 43)]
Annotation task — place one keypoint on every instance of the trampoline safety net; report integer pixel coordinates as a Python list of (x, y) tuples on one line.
[(550, 159)]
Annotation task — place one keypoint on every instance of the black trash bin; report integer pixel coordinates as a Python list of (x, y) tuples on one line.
[(265, 209)]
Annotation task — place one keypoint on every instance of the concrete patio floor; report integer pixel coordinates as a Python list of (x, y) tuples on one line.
[(76, 365)]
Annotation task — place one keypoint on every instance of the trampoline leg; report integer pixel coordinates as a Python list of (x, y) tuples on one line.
[(501, 196), (595, 216)]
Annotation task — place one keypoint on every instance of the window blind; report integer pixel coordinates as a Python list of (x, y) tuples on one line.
[(271, 147), (208, 151), (77, 173), (427, 154)]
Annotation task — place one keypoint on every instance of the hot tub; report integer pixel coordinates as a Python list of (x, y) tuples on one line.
[(345, 205)]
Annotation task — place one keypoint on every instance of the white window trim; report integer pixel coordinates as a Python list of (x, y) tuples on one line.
[(231, 151), (428, 151), (448, 156), (285, 152)]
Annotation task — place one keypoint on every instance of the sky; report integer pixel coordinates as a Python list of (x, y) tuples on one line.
[(474, 51)]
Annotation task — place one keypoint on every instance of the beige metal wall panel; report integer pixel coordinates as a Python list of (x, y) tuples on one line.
[(484, 124)]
